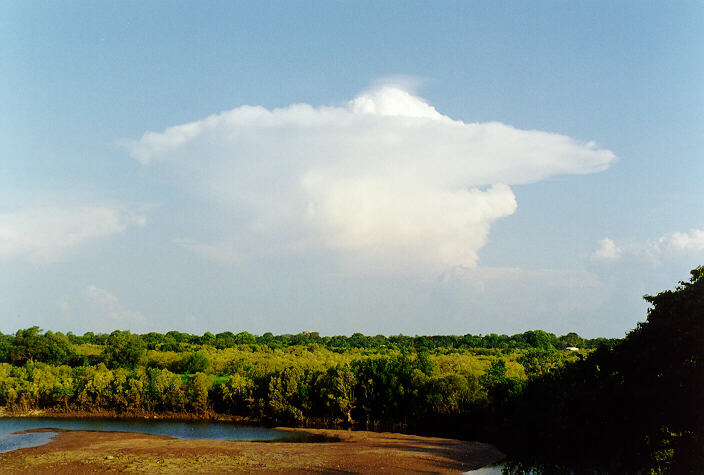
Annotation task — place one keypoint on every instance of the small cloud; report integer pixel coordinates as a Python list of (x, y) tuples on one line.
[(607, 251), (47, 234), (669, 246), (684, 242)]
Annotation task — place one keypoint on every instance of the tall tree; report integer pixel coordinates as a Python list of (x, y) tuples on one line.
[(123, 349)]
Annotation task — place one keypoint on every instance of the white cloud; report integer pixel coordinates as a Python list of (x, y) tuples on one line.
[(49, 233), (669, 246), (607, 251), (384, 179), (684, 242)]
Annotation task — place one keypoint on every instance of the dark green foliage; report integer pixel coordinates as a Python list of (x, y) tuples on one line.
[(539, 339), (179, 341), (5, 345), (123, 349), (633, 407), (31, 345), (388, 388), (500, 387), (288, 396), (450, 395), (336, 390), (541, 362), (193, 363), (153, 340), (571, 339)]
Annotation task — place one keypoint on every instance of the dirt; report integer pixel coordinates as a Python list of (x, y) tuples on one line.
[(352, 452)]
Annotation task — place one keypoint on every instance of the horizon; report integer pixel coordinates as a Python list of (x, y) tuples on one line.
[(304, 332)]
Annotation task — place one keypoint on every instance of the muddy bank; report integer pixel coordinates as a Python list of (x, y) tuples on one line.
[(354, 452)]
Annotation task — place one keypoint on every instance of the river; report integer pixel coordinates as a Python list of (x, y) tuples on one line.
[(10, 440)]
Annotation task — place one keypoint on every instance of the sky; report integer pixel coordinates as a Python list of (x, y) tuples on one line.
[(376, 167)]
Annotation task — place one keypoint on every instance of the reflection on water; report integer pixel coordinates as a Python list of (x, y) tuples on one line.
[(517, 467), (488, 470), (181, 430)]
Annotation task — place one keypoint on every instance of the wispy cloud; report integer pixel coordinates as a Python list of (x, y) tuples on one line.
[(385, 181), (48, 234), (96, 309)]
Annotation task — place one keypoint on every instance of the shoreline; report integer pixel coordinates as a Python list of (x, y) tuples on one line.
[(353, 452), (207, 416), (107, 414)]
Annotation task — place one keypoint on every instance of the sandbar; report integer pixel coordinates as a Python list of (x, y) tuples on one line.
[(341, 452)]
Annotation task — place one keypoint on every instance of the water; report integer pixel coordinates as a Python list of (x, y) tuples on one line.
[(10, 442), (182, 430), (488, 470)]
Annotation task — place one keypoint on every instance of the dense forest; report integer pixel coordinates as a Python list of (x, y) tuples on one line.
[(629, 405), (294, 379)]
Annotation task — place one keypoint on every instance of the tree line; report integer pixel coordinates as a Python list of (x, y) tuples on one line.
[(32, 344)]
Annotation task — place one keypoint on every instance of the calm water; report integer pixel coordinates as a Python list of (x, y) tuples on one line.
[(488, 470), (182, 430)]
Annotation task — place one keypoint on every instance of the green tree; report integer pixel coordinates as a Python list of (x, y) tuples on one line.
[(193, 363), (123, 349), (237, 394), (634, 407), (94, 387), (244, 338), (207, 339), (449, 394), (197, 392), (31, 345), (538, 339), (286, 395), (337, 390), (571, 339), (541, 362), (499, 386)]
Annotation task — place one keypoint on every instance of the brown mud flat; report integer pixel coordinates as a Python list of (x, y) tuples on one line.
[(353, 452)]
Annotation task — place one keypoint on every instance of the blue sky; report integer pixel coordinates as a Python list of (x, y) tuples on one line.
[(402, 167)]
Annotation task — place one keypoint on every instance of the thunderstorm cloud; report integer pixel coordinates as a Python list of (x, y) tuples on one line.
[(383, 181)]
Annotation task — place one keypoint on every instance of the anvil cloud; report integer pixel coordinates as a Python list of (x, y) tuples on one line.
[(384, 180)]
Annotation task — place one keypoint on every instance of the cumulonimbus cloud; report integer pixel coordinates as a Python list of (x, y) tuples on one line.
[(384, 178), (48, 233)]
